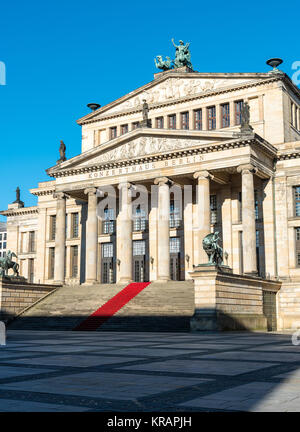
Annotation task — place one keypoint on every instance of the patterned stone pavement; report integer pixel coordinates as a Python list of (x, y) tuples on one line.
[(174, 372)]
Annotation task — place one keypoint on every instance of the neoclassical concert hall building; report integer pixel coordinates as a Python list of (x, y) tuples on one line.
[(245, 185)]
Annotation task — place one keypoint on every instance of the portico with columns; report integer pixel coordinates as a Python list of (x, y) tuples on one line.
[(218, 194)]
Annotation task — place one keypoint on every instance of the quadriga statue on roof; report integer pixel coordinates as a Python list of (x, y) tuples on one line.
[(182, 55), (162, 64)]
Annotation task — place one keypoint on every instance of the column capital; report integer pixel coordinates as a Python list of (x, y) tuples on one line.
[(124, 184), (246, 169), (162, 180), (90, 191), (59, 195), (201, 175)]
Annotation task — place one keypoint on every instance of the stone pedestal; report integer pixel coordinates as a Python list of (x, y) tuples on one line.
[(226, 301)]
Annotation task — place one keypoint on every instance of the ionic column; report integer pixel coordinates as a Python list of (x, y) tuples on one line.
[(163, 229), (248, 216), (124, 235), (60, 237), (203, 213), (91, 237)]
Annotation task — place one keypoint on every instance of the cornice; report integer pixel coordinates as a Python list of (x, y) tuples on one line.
[(294, 154), (90, 118), (237, 143), (20, 212), (41, 192)]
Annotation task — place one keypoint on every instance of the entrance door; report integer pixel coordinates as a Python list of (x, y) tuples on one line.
[(107, 263), (175, 266), (175, 258), (139, 270)]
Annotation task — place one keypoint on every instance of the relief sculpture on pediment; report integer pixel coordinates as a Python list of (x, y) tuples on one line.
[(144, 146)]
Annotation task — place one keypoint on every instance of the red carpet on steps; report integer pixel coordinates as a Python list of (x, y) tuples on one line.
[(94, 321)]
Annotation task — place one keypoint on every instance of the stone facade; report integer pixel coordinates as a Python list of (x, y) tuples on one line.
[(240, 185)]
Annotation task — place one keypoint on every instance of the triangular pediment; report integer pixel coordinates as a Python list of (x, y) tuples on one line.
[(172, 86), (142, 143)]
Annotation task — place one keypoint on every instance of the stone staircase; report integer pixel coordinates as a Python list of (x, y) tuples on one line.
[(159, 307)]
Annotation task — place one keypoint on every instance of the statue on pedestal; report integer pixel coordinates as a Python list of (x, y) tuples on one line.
[(182, 55), (245, 118), (7, 263), (62, 152), (18, 200), (213, 249)]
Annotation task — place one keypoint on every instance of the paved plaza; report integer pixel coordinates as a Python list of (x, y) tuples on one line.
[(175, 372)]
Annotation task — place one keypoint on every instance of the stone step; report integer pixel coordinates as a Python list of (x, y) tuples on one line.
[(159, 307)]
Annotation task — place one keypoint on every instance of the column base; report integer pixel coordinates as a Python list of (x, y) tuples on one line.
[(125, 280), (59, 282), (162, 280), (90, 282)]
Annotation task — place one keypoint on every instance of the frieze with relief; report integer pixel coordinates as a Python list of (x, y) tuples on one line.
[(174, 88), (144, 146)]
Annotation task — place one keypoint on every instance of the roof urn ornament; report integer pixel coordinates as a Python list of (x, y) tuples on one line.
[(274, 62), (93, 106), (62, 152)]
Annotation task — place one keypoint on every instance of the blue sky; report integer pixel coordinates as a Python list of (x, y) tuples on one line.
[(61, 55)]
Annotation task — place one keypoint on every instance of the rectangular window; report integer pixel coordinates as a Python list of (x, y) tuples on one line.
[(124, 129), (213, 209), (113, 132), (296, 118), (211, 118), (138, 247), (0, 237), (31, 241), (75, 225), (30, 270), (108, 226), (297, 200), (135, 125), (185, 120), (74, 261), (172, 121), (4, 245), (238, 112), (174, 244), (198, 119), (107, 250), (139, 219), (225, 115), (52, 227), (297, 246), (4, 236), (159, 122), (51, 263), (292, 113), (175, 219)]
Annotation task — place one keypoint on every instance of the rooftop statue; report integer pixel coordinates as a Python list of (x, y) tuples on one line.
[(182, 58), (18, 195), (214, 251), (62, 152), (6, 263), (162, 64), (245, 118), (182, 55)]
